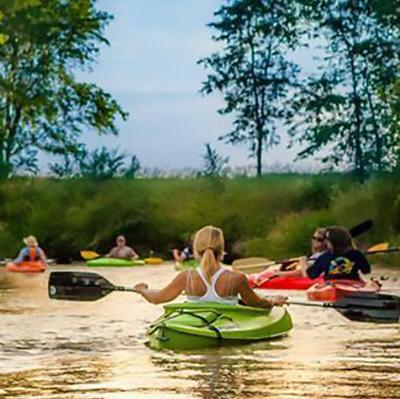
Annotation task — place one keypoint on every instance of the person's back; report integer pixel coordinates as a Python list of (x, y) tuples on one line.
[(210, 282), (223, 286)]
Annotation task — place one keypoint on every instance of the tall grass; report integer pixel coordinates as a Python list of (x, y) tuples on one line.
[(273, 216)]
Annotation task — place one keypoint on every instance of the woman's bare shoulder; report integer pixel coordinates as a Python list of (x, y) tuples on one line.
[(237, 276)]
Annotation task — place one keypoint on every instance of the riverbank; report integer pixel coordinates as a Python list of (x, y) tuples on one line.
[(272, 216)]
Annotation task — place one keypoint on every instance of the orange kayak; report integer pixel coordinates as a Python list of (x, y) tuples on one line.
[(333, 290), (26, 267)]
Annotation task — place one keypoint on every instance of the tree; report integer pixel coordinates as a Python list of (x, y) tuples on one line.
[(133, 168), (214, 164), (347, 106), (252, 70), (43, 107), (102, 163)]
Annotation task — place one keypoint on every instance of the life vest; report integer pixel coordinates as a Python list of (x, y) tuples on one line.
[(33, 254)]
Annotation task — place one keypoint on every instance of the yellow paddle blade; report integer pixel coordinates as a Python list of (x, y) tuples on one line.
[(153, 261), (89, 255), (379, 247)]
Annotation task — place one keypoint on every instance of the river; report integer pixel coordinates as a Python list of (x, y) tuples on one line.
[(96, 350)]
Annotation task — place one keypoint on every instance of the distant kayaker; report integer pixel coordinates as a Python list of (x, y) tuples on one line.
[(122, 251), (210, 282), (342, 260), (184, 255), (31, 253)]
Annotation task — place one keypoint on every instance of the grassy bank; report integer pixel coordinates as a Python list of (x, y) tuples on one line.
[(273, 216)]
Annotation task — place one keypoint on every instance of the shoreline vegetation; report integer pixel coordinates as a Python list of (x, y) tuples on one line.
[(271, 216)]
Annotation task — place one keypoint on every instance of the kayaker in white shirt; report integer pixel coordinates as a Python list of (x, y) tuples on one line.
[(210, 282)]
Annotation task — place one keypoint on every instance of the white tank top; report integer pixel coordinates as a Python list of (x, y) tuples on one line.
[(211, 293)]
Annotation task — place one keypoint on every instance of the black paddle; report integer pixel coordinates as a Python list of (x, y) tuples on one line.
[(361, 228), (365, 307), (80, 286), (84, 286)]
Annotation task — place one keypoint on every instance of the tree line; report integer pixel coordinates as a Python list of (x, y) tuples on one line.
[(350, 104)]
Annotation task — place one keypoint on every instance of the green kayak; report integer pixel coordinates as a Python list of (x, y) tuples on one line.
[(113, 262), (193, 263), (207, 324)]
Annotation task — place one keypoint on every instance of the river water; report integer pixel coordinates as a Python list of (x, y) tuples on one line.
[(96, 350)]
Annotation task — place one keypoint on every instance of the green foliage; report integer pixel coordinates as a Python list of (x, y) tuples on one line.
[(347, 106), (273, 216), (252, 70), (214, 164), (42, 105), (100, 163)]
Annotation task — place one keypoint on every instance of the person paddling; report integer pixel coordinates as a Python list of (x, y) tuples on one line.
[(319, 247), (31, 253), (342, 260), (122, 251), (184, 255), (210, 282)]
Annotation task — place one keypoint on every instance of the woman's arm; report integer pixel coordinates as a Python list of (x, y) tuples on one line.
[(166, 294), (252, 299)]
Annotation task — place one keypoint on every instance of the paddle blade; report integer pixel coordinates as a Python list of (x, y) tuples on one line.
[(88, 255), (369, 307), (384, 246), (78, 286), (153, 261), (361, 228)]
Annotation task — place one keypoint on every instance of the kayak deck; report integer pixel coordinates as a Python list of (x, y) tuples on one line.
[(114, 262), (199, 325), (26, 267)]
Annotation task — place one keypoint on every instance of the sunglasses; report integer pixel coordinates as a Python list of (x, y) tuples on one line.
[(319, 239)]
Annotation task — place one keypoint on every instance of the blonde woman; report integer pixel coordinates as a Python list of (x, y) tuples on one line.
[(210, 282)]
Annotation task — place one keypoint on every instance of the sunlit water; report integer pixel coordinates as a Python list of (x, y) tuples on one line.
[(58, 349)]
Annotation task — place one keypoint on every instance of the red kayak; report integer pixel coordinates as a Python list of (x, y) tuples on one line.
[(26, 267), (333, 290), (263, 281)]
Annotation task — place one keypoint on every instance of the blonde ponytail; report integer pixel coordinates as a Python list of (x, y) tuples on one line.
[(209, 263), (208, 246)]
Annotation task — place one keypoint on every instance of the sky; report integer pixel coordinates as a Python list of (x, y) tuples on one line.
[(151, 69)]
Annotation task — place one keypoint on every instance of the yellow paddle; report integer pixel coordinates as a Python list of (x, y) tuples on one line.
[(88, 255), (379, 247), (153, 261)]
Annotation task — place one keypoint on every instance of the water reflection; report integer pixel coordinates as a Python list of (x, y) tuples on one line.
[(53, 350)]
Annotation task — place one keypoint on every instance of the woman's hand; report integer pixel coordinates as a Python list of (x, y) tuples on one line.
[(278, 300), (140, 287)]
